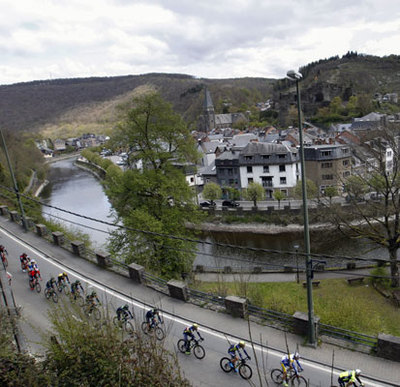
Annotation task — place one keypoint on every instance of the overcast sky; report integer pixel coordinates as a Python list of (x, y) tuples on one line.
[(49, 39)]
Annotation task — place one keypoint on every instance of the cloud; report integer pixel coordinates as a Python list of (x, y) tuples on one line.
[(41, 39)]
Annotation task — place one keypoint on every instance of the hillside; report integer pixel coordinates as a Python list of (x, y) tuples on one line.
[(72, 106)]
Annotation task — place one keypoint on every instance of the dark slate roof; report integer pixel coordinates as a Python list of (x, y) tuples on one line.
[(263, 148)]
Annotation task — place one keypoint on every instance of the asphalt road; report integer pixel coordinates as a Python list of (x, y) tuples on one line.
[(218, 329)]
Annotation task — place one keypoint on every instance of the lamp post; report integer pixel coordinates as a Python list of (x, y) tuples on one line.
[(296, 247), (296, 77)]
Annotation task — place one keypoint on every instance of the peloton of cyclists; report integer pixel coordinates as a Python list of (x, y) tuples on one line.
[(236, 349)]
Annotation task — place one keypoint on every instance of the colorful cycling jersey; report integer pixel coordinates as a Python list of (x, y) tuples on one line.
[(288, 361), (349, 376), (236, 348)]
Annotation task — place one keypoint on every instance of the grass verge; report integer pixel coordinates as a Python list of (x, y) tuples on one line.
[(359, 308)]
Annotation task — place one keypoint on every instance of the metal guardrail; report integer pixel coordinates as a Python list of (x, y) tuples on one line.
[(206, 297), (347, 335), (152, 279), (272, 316)]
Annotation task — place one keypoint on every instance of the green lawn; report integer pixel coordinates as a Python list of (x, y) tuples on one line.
[(359, 308)]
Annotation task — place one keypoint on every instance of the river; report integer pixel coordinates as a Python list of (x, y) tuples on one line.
[(78, 191)]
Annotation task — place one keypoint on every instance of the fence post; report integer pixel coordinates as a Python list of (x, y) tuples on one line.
[(3, 210), (58, 238), (236, 306), (178, 290), (78, 248), (41, 230), (136, 272), (300, 325), (103, 260)]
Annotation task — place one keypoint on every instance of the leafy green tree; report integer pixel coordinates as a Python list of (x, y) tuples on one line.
[(254, 192), (356, 186), (278, 195), (335, 106), (311, 188), (233, 193), (212, 191), (331, 192), (155, 202)]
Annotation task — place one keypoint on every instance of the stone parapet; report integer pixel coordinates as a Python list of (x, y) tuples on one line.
[(136, 273), (300, 324), (14, 216), (58, 238), (41, 230), (78, 248), (236, 306), (178, 290), (4, 210), (388, 347), (103, 260)]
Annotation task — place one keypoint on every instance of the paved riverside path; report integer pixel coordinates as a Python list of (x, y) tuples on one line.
[(177, 314)]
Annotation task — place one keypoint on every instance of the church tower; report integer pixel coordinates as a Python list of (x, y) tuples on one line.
[(209, 113)]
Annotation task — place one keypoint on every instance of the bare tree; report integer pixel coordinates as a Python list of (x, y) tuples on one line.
[(378, 218)]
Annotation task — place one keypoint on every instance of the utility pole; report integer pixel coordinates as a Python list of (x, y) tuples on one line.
[(295, 76), (21, 208)]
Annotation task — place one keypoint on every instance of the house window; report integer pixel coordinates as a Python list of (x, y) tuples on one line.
[(389, 154), (345, 150), (282, 168), (248, 158), (192, 179), (283, 180), (266, 181), (326, 153), (249, 180), (266, 169), (284, 191), (231, 182), (326, 165), (281, 156), (347, 173), (327, 177), (265, 157), (230, 171), (345, 163), (249, 169)]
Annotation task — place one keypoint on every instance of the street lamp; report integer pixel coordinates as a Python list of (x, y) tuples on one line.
[(296, 77), (296, 247)]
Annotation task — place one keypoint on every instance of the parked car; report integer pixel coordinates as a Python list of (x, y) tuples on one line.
[(230, 203), (207, 204)]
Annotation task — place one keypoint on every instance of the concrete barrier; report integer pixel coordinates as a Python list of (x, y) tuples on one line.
[(388, 347), (178, 290), (103, 260), (136, 273), (78, 248), (4, 210), (14, 216), (41, 230), (236, 306), (300, 324), (58, 238)]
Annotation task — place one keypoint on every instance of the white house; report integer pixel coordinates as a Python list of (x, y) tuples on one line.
[(274, 166)]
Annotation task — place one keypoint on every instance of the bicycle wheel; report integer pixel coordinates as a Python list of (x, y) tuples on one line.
[(298, 381), (160, 335), (128, 327), (277, 376), (54, 297), (181, 345), (225, 364), (80, 300), (38, 287), (245, 371), (66, 290), (116, 322), (47, 293), (199, 351), (145, 327)]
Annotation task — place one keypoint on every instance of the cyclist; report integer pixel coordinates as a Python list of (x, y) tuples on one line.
[(33, 273), (3, 252), (290, 361), (51, 283), (151, 317), (24, 258), (235, 348), (188, 334), (75, 286), (33, 265), (348, 378), (61, 278), (124, 312), (92, 301)]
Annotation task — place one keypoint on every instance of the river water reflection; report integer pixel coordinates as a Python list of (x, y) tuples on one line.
[(78, 191)]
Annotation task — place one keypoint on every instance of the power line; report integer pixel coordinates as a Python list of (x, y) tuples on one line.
[(191, 240)]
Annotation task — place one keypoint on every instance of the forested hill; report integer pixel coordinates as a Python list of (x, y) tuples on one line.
[(89, 104), (30, 106)]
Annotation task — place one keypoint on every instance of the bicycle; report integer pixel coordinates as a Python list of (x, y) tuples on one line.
[(62, 286), (194, 346), (76, 297), (91, 309), (51, 293), (34, 284), (293, 378), (244, 369), (124, 323), (154, 329)]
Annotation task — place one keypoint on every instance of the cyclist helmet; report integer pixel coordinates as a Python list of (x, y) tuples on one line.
[(94, 294), (78, 282), (242, 344), (64, 274), (126, 307), (195, 326), (155, 310), (52, 279), (33, 260), (296, 356), (358, 372)]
